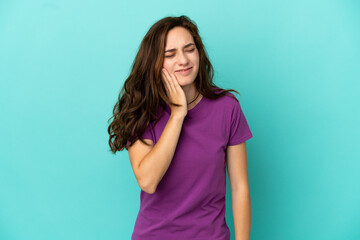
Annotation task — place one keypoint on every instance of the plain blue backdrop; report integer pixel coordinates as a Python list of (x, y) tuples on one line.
[(63, 63)]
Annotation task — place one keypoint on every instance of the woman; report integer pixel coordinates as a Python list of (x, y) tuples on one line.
[(189, 128)]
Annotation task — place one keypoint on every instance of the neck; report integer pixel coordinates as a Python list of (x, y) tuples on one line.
[(190, 92), (192, 95)]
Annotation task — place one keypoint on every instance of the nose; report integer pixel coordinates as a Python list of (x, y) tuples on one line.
[(183, 60)]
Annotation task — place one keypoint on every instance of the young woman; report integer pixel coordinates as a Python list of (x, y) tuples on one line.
[(189, 128)]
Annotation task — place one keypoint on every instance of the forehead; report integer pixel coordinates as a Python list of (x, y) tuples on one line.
[(178, 37)]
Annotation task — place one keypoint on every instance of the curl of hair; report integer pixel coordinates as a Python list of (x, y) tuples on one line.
[(143, 91)]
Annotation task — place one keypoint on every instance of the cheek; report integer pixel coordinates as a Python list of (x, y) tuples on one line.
[(196, 59), (166, 64)]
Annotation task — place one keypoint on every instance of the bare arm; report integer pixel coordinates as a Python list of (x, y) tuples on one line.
[(157, 161), (154, 165), (240, 193)]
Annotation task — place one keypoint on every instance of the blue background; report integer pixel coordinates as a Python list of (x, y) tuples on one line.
[(62, 65)]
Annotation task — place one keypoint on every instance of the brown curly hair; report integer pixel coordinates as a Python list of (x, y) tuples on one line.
[(143, 91)]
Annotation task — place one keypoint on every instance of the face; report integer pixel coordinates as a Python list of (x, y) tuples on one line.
[(181, 53)]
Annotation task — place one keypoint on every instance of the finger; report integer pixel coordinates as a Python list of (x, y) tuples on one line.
[(176, 82), (170, 81), (165, 79), (166, 82)]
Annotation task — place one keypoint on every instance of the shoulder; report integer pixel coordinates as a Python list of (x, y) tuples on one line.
[(229, 106), (231, 97), (223, 107), (228, 101)]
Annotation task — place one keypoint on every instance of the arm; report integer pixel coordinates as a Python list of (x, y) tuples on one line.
[(154, 165), (237, 170), (151, 163)]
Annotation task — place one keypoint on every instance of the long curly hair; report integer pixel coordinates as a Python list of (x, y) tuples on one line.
[(143, 90)]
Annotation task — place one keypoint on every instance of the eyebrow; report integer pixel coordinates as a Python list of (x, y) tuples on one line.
[(187, 45)]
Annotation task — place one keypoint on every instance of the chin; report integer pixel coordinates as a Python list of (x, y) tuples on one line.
[(185, 83)]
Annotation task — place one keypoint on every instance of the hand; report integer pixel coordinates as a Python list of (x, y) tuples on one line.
[(175, 93)]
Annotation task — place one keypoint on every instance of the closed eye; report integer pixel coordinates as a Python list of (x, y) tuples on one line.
[(174, 54)]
